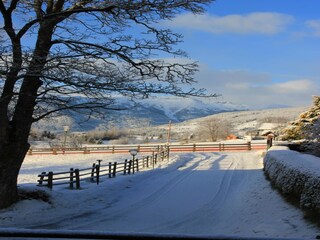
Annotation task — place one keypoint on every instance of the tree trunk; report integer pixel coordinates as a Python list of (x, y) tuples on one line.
[(12, 155), (14, 134)]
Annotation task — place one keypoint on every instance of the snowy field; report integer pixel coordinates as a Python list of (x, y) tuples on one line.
[(34, 165), (196, 193)]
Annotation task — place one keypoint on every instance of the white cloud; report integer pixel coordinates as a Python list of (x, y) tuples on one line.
[(314, 25), (293, 87), (267, 23), (254, 89), (257, 90)]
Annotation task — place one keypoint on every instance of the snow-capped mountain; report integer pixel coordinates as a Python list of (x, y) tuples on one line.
[(162, 109), (144, 112)]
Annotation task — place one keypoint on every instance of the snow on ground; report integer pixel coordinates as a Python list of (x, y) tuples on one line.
[(35, 164), (196, 193), (247, 125)]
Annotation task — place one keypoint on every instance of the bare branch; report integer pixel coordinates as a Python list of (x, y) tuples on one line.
[(75, 56), (13, 5)]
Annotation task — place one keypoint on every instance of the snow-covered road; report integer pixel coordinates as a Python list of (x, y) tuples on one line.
[(212, 193)]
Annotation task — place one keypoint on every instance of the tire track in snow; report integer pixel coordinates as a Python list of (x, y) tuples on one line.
[(188, 166), (222, 213), (130, 218), (205, 211), (248, 207)]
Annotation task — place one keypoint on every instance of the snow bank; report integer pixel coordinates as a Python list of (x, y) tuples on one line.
[(295, 174)]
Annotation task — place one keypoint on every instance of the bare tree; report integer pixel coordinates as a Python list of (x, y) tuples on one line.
[(68, 55), (214, 129)]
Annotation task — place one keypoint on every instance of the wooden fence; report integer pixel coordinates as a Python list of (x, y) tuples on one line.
[(73, 177), (149, 148)]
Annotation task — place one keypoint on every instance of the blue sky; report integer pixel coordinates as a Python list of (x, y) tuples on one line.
[(257, 53)]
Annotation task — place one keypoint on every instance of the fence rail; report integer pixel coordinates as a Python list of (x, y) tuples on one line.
[(74, 177), (112, 149)]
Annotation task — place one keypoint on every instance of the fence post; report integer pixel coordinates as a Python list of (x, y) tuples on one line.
[(98, 173), (71, 178), (112, 149), (41, 178), (137, 162), (50, 180), (156, 158), (125, 167), (222, 146), (132, 165), (147, 161), (92, 172), (129, 168), (168, 153), (54, 151), (99, 161), (249, 146), (30, 151), (153, 156), (219, 147), (114, 169), (76, 171), (86, 151), (138, 148), (194, 147), (110, 169)]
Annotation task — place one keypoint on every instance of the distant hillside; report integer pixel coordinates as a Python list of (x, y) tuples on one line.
[(142, 113), (242, 122)]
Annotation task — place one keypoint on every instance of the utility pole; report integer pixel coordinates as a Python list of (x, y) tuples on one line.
[(65, 129), (169, 132)]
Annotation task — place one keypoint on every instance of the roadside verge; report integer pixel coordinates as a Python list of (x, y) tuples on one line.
[(295, 175)]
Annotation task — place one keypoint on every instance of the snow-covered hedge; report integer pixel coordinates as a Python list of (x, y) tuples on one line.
[(295, 174)]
